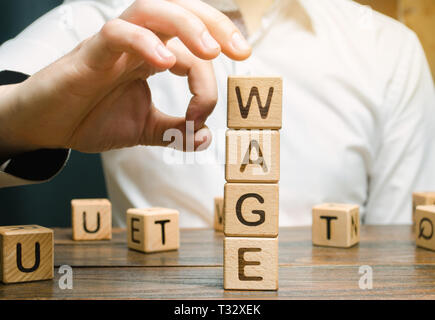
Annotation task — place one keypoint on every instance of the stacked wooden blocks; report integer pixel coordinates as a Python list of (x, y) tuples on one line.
[(251, 195)]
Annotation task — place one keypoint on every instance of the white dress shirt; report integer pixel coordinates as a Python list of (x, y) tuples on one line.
[(358, 113)]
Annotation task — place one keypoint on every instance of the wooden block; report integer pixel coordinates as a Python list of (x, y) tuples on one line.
[(91, 219), (424, 227), (26, 253), (254, 102), (251, 210), (219, 214), (252, 156), (336, 225), (421, 199), (251, 263), (153, 229)]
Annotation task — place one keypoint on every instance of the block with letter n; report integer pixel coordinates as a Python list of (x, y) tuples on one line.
[(254, 102), (153, 229)]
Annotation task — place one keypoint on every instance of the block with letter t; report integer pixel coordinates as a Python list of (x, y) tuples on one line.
[(153, 229), (26, 253), (254, 102), (336, 225)]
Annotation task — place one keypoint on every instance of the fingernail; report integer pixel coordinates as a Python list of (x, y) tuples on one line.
[(239, 43), (209, 42), (163, 53)]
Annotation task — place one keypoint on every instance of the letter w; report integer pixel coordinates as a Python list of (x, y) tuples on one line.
[(244, 110)]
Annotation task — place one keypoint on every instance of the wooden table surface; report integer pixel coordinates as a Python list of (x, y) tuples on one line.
[(109, 270)]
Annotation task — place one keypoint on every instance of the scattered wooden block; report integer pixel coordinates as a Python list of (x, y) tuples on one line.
[(252, 156), (336, 225), (421, 199), (91, 219), (424, 227), (251, 263), (251, 210), (219, 214), (254, 102), (153, 229), (26, 253)]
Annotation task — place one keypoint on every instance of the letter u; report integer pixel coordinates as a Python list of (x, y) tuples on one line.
[(86, 228), (37, 259)]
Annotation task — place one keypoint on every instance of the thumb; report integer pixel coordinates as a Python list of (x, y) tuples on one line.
[(175, 132)]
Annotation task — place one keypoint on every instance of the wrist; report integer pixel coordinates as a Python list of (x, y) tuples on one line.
[(12, 141)]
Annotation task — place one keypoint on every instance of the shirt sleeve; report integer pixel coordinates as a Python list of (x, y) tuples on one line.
[(405, 159), (29, 167)]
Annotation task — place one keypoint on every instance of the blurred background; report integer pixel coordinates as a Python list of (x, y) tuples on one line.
[(83, 176)]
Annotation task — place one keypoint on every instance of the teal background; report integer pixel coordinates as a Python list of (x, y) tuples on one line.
[(46, 204)]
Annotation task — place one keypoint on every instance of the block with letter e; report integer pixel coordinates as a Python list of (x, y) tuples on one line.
[(254, 102), (251, 210), (336, 225), (252, 156), (424, 227), (153, 229), (250, 263), (91, 219), (26, 253)]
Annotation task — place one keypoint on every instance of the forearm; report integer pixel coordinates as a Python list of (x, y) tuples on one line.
[(11, 142)]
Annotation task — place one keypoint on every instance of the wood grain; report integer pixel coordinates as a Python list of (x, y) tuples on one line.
[(108, 270), (327, 282), (251, 210)]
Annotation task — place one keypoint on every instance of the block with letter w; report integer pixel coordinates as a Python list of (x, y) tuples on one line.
[(254, 102)]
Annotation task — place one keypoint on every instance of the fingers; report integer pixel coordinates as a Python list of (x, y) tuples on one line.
[(229, 37), (202, 83), (119, 36), (172, 20), (168, 131)]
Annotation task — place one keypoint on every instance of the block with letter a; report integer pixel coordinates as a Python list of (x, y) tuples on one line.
[(91, 219), (26, 253), (336, 225), (251, 263), (252, 156), (424, 227), (254, 102), (153, 229)]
